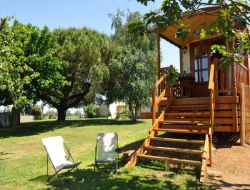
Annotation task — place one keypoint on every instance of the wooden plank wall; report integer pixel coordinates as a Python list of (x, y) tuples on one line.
[(245, 113), (226, 120)]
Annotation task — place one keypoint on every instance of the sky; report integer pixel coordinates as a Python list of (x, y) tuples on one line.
[(81, 13), (65, 13)]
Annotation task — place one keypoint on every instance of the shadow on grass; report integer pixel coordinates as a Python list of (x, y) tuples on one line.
[(126, 180), (3, 154), (33, 128)]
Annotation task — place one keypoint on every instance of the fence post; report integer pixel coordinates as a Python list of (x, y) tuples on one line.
[(243, 115)]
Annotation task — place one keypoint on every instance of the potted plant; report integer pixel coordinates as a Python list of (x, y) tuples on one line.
[(171, 77)]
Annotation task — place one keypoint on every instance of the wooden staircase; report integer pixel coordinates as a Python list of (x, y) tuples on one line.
[(182, 116), (185, 116)]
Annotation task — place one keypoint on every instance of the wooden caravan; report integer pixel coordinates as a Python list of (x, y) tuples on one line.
[(204, 100)]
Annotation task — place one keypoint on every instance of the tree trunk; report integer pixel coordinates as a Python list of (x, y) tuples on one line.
[(136, 112), (61, 114), (133, 112), (15, 118)]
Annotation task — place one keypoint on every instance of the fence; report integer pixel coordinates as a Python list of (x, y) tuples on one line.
[(245, 113)]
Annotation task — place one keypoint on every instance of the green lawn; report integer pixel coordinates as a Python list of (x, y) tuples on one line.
[(23, 158)]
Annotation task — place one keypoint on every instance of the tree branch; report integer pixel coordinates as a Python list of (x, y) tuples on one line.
[(76, 98)]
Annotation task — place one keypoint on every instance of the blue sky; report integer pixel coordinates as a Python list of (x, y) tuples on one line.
[(79, 13), (65, 13)]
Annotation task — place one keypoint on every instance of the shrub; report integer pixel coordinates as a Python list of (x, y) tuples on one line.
[(52, 114), (122, 112), (36, 111), (90, 110)]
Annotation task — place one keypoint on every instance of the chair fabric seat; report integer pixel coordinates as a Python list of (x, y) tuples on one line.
[(106, 149), (58, 157), (68, 164), (106, 146), (107, 160)]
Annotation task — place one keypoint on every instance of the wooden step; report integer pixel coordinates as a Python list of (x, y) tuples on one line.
[(169, 149), (191, 107), (189, 127), (194, 131), (177, 140), (184, 121), (226, 121), (195, 101), (224, 128), (194, 114), (198, 119), (227, 99), (223, 114), (184, 161)]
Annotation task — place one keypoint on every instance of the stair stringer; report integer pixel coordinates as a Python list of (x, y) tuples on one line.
[(152, 133), (203, 175)]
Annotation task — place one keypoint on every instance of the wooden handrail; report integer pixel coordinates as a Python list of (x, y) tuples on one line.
[(156, 123), (243, 66), (158, 83), (160, 97), (156, 101)]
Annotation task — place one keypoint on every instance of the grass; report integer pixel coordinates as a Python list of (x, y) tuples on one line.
[(23, 158)]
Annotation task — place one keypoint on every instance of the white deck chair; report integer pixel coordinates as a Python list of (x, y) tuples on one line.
[(59, 159), (106, 149)]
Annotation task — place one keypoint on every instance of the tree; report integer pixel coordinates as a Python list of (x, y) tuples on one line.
[(21, 47), (232, 18), (132, 68), (83, 54)]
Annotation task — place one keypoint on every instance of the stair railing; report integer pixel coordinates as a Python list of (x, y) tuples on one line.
[(212, 107), (141, 149), (160, 93), (156, 124), (159, 88)]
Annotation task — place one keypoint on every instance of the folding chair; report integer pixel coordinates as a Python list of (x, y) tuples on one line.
[(59, 159), (106, 149)]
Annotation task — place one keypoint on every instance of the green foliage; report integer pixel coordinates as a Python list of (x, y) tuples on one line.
[(64, 68), (52, 114), (90, 110), (122, 112), (182, 32), (37, 112), (172, 76), (232, 19), (82, 56), (24, 49), (132, 68)]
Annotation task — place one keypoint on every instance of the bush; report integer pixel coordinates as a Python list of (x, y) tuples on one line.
[(36, 111), (52, 114), (122, 112), (90, 110)]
